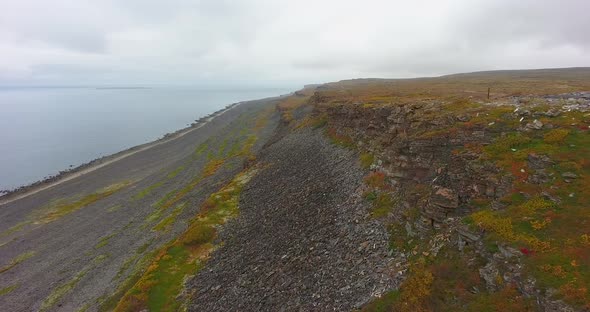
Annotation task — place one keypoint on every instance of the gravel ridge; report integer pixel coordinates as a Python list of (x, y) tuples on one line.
[(304, 239)]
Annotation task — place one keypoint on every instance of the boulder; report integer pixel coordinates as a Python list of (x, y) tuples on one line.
[(537, 161), (554, 112), (535, 125), (463, 118), (569, 175), (467, 235)]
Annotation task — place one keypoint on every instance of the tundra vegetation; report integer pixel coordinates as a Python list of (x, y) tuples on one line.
[(163, 281), (486, 199), (157, 279)]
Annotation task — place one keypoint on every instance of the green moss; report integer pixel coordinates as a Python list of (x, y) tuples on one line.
[(367, 160), (108, 303), (104, 241), (165, 198), (8, 289), (153, 217), (15, 228), (159, 286), (58, 293), (174, 173), (385, 303), (210, 155), (508, 299), (18, 259), (235, 148), (370, 196), (382, 205), (460, 105), (202, 148), (167, 222), (504, 144), (340, 139), (222, 148), (556, 136), (100, 258), (114, 208), (60, 208), (85, 307), (319, 123), (148, 190)]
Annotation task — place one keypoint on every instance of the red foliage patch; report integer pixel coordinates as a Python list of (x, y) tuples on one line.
[(519, 170), (376, 179)]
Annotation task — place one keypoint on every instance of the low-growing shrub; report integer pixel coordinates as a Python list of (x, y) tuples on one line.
[(366, 160), (556, 136), (376, 179)]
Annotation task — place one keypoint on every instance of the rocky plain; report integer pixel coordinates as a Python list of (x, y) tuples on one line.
[(466, 192)]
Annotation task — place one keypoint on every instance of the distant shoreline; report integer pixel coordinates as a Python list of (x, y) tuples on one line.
[(7, 196), (122, 88)]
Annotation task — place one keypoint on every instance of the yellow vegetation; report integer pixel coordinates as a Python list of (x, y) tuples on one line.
[(555, 136), (416, 289)]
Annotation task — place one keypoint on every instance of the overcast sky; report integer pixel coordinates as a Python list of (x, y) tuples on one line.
[(280, 42)]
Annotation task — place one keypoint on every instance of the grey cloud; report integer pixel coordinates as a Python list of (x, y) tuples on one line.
[(184, 41), (79, 40), (548, 22)]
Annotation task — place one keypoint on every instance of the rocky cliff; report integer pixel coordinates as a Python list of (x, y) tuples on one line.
[(485, 199)]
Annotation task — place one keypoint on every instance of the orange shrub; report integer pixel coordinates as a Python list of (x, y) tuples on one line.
[(376, 179)]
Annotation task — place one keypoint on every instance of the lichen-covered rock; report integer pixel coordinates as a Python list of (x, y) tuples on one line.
[(491, 275), (535, 125)]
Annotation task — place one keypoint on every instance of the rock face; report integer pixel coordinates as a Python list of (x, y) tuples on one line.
[(303, 239), (395, 135), (445, 198)]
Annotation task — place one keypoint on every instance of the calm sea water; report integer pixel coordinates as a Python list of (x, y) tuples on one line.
[(45, 130)]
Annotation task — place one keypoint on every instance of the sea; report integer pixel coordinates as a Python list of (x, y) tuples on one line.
[(44, 130)]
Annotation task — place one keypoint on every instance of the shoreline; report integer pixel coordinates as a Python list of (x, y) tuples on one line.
[(8, 196)]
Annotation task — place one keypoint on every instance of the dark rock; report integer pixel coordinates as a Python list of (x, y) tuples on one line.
[(554, 112), (537, 161), (569, 175), (540, 176), (467, 235)]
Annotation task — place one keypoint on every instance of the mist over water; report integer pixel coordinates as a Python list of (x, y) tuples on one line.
[(45, 130)]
